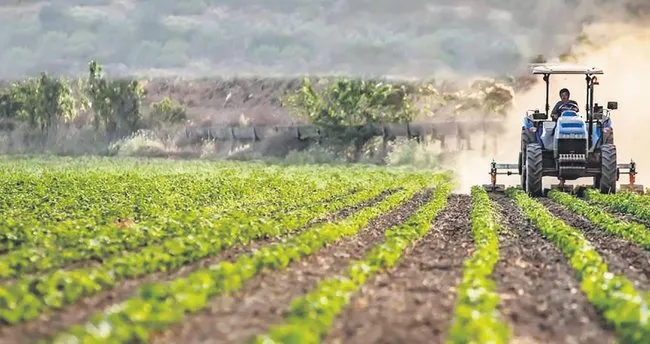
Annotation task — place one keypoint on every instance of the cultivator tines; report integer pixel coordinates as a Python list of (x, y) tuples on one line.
[(562, 187), (630, 170), (494, 171), (570, 189)]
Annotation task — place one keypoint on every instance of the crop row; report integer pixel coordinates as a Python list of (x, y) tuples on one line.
[(111, 240), (622, 306), (311, 315), (476, 319), (627, 202), (631, 231), (61, 207), (184, 217), (27, 297), (157, 306)]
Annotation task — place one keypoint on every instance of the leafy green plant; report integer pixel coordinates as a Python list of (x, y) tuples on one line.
[(180, 216), (476, 318)]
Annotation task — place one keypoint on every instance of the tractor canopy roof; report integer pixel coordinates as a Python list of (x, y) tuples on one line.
[(563, 68)]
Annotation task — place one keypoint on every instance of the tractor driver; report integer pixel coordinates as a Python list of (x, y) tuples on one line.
[(564, 104)]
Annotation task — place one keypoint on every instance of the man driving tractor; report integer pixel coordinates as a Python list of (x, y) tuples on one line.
[(564, 104), (567, 104)]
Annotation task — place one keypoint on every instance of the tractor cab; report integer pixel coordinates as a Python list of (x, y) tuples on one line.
[(571, 145)]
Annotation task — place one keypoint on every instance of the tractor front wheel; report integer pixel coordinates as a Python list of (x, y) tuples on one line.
[(533, 169), (607, 178)]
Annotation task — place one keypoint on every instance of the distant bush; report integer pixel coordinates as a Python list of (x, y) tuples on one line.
[(167, 112)]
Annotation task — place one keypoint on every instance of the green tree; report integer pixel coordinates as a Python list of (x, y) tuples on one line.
[(42, 103), (55, 102), (346, 109), (116, 103)]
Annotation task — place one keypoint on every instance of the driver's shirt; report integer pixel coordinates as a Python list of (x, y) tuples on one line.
[(561, 106)]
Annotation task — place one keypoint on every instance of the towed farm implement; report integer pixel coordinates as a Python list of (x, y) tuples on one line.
[(567, 146)]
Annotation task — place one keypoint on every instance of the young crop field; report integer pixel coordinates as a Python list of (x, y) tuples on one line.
[(117, 250)]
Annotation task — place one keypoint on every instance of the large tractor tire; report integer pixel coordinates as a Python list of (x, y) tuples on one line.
[(533, 170), (527, 138), (608, 173), (522, 170)]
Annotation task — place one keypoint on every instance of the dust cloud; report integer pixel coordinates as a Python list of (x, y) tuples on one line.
[(622, 50)]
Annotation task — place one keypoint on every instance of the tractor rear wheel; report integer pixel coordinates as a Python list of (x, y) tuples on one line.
[(534, 169), (607, 169), (522, 171), (527, 137)]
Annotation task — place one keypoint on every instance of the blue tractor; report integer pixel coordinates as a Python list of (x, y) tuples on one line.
[(567, 146)]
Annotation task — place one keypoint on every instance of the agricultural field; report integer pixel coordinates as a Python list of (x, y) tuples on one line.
[(132, 250)]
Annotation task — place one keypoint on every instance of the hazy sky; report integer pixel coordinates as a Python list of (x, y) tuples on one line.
[(414, 38)]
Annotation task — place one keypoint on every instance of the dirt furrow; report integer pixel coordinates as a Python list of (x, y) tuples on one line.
[(265, 300), (622, 256), (54, 321), (414, 302), (540, 295)]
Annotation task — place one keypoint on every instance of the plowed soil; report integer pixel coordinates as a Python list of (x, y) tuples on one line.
[(622, 256), (265, 300), (540, 295), (53, 321), (414, 302)]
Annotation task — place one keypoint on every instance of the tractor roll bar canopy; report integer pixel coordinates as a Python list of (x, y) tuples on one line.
[(563, 68), (547, 69)]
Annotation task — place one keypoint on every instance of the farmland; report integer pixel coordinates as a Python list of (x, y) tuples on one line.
[(215, 171), (105, 250)]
